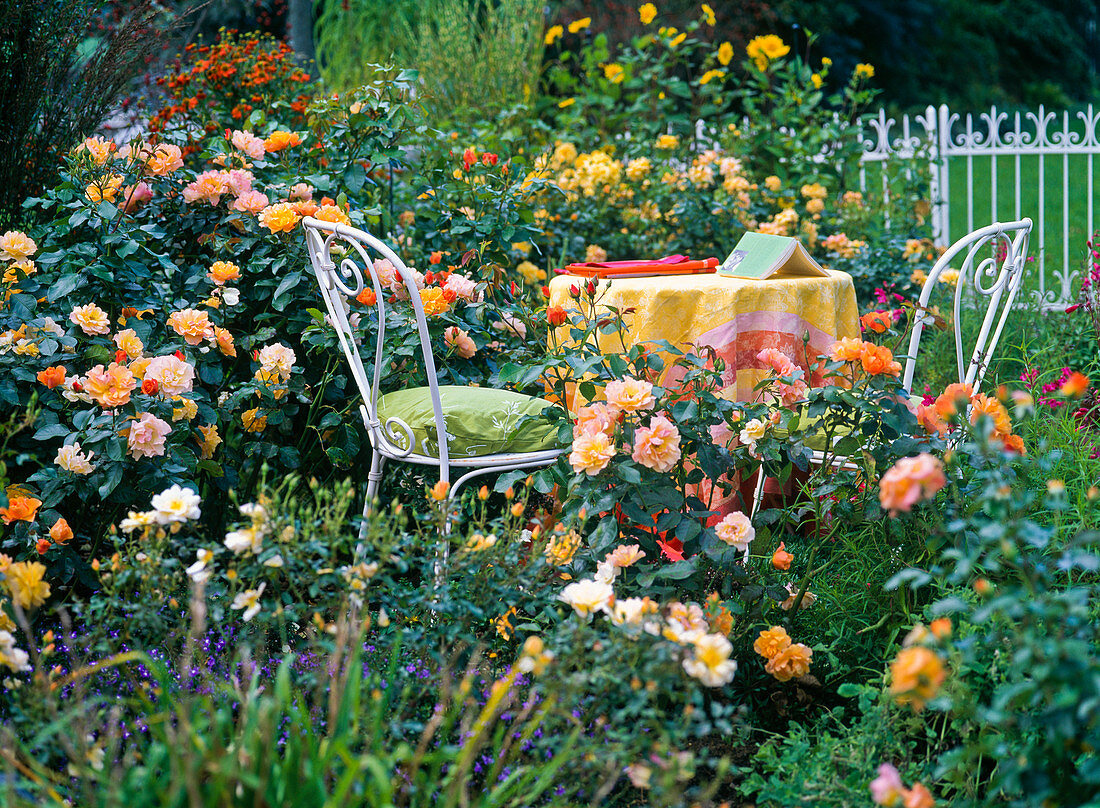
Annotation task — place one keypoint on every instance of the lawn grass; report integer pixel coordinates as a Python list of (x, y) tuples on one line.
[(1045, 204)]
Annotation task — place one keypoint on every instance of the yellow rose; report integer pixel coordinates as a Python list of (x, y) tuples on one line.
[(579, 25), (864, 71), (553, 34), (647, 12), (725, 54)]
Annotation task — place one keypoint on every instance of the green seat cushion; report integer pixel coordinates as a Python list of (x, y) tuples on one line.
[(480, 420)]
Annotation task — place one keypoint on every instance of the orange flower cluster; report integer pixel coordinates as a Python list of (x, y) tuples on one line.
[(875, 360), (955, 399), (786, 660), (229, 79)]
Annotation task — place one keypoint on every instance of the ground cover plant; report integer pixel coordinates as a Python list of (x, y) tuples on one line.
[(189, 615)]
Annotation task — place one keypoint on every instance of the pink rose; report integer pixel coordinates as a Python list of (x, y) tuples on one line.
[(462, 286), (657, 446), (887, 789), (250, 202), (249, 144), (209, 186), (147, 433), (455, 337), (736, 530), (134, 196), (239, 181), (596, 418), (301, 191)]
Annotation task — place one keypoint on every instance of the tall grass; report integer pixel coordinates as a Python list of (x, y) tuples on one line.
[(472, 55)]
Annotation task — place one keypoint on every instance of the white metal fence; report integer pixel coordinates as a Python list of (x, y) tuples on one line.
[(1030, 146)]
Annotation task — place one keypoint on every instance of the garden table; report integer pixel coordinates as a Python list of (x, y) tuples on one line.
[(735, 317)]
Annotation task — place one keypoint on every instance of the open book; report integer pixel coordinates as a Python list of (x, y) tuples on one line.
[(760, 256)]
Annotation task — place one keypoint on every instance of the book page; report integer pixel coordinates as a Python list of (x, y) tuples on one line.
[(800, 264)]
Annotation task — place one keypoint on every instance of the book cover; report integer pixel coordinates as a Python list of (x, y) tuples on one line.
[(759, 256)]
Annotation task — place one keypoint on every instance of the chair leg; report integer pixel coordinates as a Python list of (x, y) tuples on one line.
[(757, 492), (374, 477)]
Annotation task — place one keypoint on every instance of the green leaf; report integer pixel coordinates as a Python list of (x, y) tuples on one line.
[(211, 468), (66, 286)]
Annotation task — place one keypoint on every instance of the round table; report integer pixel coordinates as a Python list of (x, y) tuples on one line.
[(736, 317)]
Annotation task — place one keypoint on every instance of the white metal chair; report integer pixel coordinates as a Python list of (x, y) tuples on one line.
[(1004, 267), (392, 438), (1004, 272)]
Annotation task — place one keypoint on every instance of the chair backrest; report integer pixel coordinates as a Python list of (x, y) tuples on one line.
[(342, 277), (996, 274)]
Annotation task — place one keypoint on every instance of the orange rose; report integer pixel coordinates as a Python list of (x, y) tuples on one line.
[(781, 559), (987, 405), (61, 532), (367, 297), (331, 213), (847, 349), (877, 321), (52, 377), (877, 360), (279, 218), (277, 141), (916, 675), (223, 271), (433, 301), (947, 404), (931, 420), (20, 509)]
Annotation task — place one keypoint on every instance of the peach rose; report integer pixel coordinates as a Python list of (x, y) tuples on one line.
[(596, 418), (928, 418), (771, 641), (225, 341), (625, 555), (91, 319), (280, 217), (462, 286), (147, 434), (331, 213), (630, 395), (60, 532), (657, 446), (250, 202), (110, 388), (736, 530), (792, 661), (16, 246), (305, 207), (301, 191), (127, 340), (433, 301), (73, 458), (277, 359), (99, 148), (911, 480), (164, 159), (172, 375), (191, 324), (591, 453), (463, 344)]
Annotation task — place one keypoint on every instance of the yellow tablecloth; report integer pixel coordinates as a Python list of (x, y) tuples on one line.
[(736, 317)]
